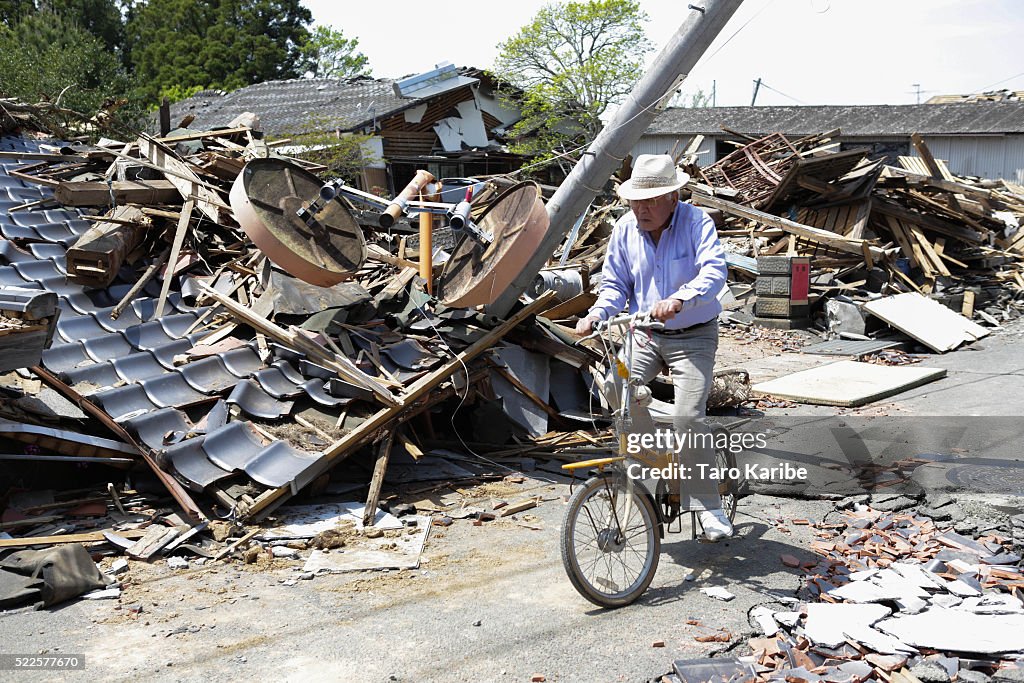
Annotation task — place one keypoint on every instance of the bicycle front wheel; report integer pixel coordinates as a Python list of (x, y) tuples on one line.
[(610, 541)]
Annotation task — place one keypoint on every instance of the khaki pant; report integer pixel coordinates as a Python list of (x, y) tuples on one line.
[(690, 358)]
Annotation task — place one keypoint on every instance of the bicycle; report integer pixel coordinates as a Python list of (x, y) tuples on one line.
[(614, 524)]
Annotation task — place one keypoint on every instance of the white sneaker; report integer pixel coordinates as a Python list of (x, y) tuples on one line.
[(716, 525)]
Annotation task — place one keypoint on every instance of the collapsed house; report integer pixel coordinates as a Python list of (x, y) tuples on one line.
[(451, 122)]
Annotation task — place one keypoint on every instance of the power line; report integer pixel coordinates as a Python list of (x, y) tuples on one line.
[(707, 59), (1002, 81), (765, 85)]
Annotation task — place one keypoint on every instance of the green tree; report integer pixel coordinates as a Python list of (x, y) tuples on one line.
[(223, 44), (344, 154), (331, 55), (46, 56), (13, 11), (698, 99), (570, 62), (102, 18)]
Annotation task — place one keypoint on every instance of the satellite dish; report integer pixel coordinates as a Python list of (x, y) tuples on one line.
[(266, 197), (477, 274)]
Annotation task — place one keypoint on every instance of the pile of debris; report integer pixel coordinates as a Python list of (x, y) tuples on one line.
[(894, 598), (228, 376), (871, 230)]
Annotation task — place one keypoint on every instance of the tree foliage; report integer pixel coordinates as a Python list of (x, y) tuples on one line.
[(344, 154), (101, 18), (46, 56), (698, 99), (13, 11), (570, 62), (329, 54), (224, 44)]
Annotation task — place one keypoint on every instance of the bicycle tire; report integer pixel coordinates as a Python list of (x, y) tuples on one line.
[(578, 514)]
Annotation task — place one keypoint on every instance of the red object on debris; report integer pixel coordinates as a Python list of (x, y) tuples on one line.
[(790, 561)]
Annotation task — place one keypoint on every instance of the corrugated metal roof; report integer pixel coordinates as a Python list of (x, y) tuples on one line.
[(854, 121)]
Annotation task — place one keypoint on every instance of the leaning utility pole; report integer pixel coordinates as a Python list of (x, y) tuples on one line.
[(616, 139)]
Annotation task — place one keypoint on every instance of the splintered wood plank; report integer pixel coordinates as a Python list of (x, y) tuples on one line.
[(860, 220), (918, 256), (179, 239), (929, 250), (183, 178), (87, 537), (380, 468), (926, 155), (850, 246), (927, 321)]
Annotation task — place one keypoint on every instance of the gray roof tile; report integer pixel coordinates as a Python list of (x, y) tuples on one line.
[(870, 120), (296, 106)]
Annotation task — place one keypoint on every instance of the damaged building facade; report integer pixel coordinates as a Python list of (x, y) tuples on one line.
[(449, 121)]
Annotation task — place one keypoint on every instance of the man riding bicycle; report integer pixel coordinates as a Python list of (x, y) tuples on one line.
[(664, 256)]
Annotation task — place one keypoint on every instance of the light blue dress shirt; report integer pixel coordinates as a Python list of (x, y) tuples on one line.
[(688, 264)]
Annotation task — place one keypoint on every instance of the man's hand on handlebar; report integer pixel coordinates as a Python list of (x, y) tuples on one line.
[(666, 309), (586, 325)]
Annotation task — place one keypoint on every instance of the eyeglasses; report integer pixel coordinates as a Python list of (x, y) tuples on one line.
[(651, 201)]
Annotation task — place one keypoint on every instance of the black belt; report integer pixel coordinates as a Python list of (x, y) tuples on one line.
[(678, 331)]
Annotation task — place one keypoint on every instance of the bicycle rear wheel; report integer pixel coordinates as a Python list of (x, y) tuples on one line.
[(610, 541)]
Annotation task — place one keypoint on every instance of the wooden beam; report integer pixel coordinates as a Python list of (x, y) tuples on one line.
[(172, 260), (368, 430), (300, 342), (79, 193), (934, 223), (831, 239), (896, 228), (926, 155), (573, 306), (967, 309), (33, 179), (379, 469), (929, 250), (139, 284), (86, 537), (231, 548), (203, 135), (173, 486), (183, 178)]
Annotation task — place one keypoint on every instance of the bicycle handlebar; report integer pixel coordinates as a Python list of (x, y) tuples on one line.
[(639, 321)]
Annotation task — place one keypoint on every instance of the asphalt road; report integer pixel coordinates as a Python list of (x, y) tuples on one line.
[(419, 625)]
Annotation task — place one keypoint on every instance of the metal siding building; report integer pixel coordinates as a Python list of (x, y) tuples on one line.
[(663, 144), (983, 139), (984, 156)]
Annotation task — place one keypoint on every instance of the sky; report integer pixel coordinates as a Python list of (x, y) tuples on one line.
[(805, 51)]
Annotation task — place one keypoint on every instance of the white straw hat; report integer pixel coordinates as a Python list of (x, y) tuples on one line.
[(653, 175)]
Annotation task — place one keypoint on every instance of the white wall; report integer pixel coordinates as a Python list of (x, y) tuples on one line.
[(662, 144), (986, 156)]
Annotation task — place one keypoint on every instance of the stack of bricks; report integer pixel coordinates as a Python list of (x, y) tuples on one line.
[(782, 288)]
